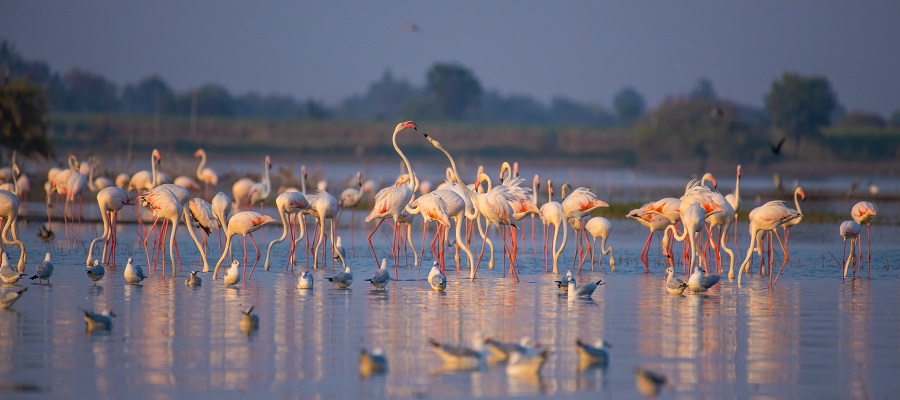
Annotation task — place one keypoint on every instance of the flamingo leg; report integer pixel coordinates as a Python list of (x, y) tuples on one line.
[(645, 252), (868, 249), (370, 240)]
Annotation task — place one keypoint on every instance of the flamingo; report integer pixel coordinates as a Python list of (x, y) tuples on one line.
[(243, 223), (390, 201), (186, 182), (862, 213), (432, 208), (692, 217), (850, 230), (654, 222), (600, 227), (241, 191), (323, 206), (668, 208), (259, 192), (143, 180), (221, 205), (457, 204), (205, 174), (9, 210), (122, 180), (350, 198), (494, 206), (110, 200), (98, 183), (698, 193), (163, 204), (766, 217), (201, 213), (578, 205), (524, 203), (287, 204), (552, 214), (798, 193)]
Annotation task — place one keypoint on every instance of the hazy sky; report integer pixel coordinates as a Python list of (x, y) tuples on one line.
[(584, 50)]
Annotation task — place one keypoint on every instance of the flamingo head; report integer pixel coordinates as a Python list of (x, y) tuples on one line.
[(402, 179), (358, 179), (550, 186), (406, 125), (537, 181), (503, 168), (156, 156), (709, 177), (199, 153), (739, 171), (801, 193), (516, 169), (268, 162)]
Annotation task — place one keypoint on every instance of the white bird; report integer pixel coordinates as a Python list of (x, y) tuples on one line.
[(133, 273), (233, 275), (698, 283), (305, 281), (193, 280), (461, 357), (498, 352), (10, 298), (582, 291), (526, 363), (564, 283), (43, 270), (437, 279), (342, 280), (7, 273), (382, 276), (592, 355), (648, 382), (372, 363), (674, 285), (96, 272), (249, 321), (98, 321)]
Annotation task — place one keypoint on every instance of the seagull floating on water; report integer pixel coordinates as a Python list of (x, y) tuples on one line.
[(43, 270), (249, 321), (526, 363), (381, 277), (372, 363), (674, 285), (461, 357), (582, 291), (592, 355), (564, 283), (648, 382), (498, 352), (98, 321), (437, 279), (342, 280), (305, 281), (10, 298), (233, 275), (133, 273), (7, 273), (698, 283), (193, 280), (96, 272)]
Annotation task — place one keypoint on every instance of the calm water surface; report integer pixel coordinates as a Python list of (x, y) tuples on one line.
[(811, 336)]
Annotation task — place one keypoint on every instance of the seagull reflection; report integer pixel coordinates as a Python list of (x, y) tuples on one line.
[(372, 363), (526, 384), (249, 321)]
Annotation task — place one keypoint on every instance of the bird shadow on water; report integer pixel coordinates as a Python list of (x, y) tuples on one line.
[(379, 294)]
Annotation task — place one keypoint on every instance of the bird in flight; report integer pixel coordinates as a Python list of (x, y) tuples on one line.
[(776, 148)]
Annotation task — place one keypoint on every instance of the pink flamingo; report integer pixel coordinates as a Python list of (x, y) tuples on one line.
[(798, 195), (205, 174), (654, 222), (287, 204), (163, 204), (765, 218), (243, 223), (259, 192), (850, 230), (9, 210), (110, 200)]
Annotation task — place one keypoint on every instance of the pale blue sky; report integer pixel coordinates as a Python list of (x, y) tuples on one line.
[(584, 50)]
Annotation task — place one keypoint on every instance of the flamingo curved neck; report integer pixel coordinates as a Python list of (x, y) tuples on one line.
[(409, 170), (796, 201), (202, 164)]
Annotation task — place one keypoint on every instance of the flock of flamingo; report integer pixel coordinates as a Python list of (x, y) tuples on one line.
[(469, 208)]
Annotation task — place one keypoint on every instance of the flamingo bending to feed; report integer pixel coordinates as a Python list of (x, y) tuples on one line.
[(600, 227), (432, 208), (110, 200), (202, 215), (579, 205), (163, 204), (221, 205), (767, 217), (653, 222), (390, 201), (287, 204), (243, 223), (9, 210), (850, 230), (862, 213), (322, 206)]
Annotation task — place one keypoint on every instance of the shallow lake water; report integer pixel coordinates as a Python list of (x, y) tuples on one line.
[(810, 336)]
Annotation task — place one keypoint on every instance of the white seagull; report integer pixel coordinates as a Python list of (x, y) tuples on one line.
[(498, 352), (96, 272), (342, 280), (43, 270), (437, 279), (564, 283), (381, 277), (372, 363), (461, 357), (96, 321), (193, 280), (584, 291), (305, 281), (249, 321), (526, 363), (674, 285), (233, 275), (133, 273), (7, 273), (592, 355), (698, 283)]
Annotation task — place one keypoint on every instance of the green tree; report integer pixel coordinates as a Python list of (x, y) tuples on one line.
[(861, 119), (87, 91), (629, 105), (456, 90), (801, 105), (23, 112), (150, 95)]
